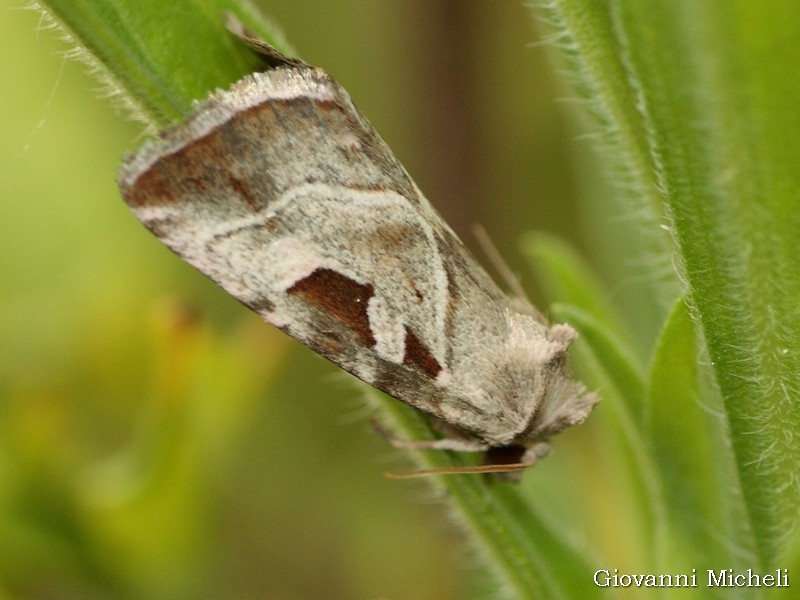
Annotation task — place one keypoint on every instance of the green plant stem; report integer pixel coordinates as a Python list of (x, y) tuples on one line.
[(529, 555)]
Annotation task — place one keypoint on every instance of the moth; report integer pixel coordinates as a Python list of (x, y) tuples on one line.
[(281, 191)]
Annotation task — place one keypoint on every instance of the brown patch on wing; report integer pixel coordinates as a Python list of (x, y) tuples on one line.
[(152, 188), (182, 173), (243, 190), (418, 355), (340, 297)]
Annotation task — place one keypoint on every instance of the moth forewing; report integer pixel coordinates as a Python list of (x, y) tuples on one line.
[(280, 191)]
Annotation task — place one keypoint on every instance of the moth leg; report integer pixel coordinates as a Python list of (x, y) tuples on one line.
[(455, 444)]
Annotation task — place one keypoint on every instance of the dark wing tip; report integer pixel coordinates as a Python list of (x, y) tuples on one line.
[(269, 55)]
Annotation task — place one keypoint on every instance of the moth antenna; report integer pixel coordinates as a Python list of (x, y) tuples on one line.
[(494, 256), (509, 468), (523, 304)]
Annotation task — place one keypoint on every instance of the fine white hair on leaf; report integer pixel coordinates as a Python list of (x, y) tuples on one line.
[(110, 87)]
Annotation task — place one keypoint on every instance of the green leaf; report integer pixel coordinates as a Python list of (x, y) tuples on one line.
[(159, 57), (700, 98), (690, 445), (621, 385)]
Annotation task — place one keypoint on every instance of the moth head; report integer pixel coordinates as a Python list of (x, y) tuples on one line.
[(534, 388), (564, 402)]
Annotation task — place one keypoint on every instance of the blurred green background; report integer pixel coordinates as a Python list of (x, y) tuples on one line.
[(156, 439)]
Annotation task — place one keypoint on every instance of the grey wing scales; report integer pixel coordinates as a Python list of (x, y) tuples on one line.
[(282, 193)]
